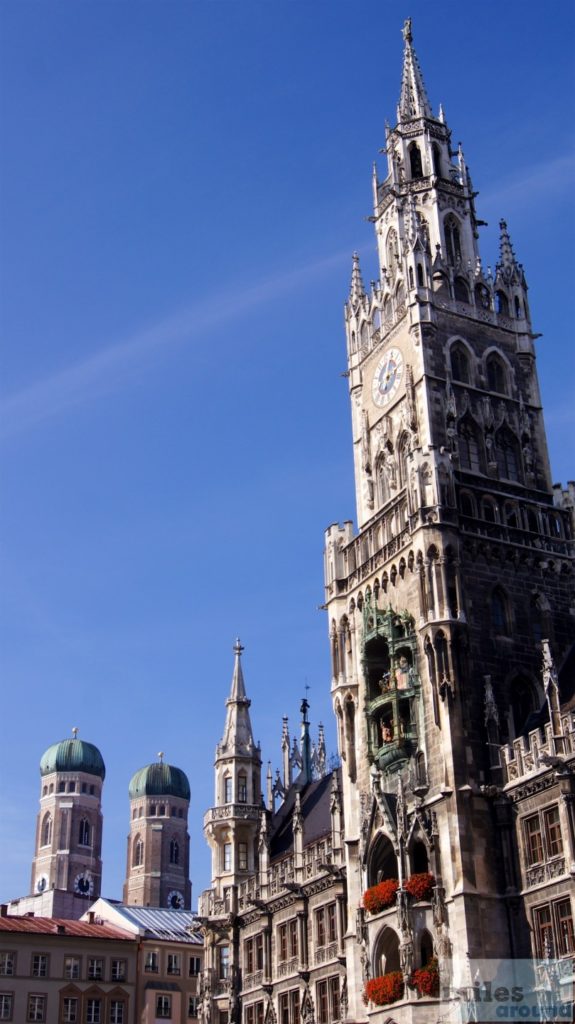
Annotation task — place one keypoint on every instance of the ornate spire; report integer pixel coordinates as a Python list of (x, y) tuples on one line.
[(357, 290), (238, 737), (507, 256), (413, 101)]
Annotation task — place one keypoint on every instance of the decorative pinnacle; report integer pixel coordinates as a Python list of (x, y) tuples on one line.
[(161, 756), (505, 247), (238, 647), (75, 731), (413, 101), (357, 289)]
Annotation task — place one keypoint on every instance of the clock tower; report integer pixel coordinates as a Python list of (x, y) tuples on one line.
[(461, 564)]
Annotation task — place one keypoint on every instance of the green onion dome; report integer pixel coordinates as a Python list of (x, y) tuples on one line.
[(159, 779), (73, 756)]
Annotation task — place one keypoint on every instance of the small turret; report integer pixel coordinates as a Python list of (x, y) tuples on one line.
[(357, 288)]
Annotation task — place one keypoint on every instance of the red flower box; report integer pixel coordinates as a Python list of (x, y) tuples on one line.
[(426, 979), (420, 886), (380, 896), (387, 989)]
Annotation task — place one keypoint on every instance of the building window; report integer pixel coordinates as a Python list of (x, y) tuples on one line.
[(93, 1011), (227, 856), (70, 1010), (542, 833), (224, 961), (164, 1007), (174, 852), (194, 966), (72, 967), (84, 834), (553, 926), (152, 810), (242, 856), (452, 241), (174, 963), (506, 455), (95, 969), (242, 789), (7, 961), (36, 1008), (46, 830), (151, 962), (468, 447), (6, 1005), (496, 375), (320, 932), (255, 1014), (282, 943), (499, 617), (249, 955), (293, 937), (192, 1006), (331, 923), (162, 810), (259, 944), (117, 1015), (138, 852), (71, 787), (328, 1001), (228, 789), (61, 787), (118, 970), (40, 965)]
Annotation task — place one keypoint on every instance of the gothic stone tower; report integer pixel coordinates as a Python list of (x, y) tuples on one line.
[(232, 829), (67, 866), (158, 861), (460, 566)]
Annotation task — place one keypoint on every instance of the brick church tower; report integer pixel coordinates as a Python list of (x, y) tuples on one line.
[(459, 569)]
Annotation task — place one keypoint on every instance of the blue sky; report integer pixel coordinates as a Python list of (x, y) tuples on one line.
[(181, 188)]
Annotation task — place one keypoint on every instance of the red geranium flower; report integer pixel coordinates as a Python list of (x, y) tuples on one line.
[(420, 886), (380, 896), (387, 989)]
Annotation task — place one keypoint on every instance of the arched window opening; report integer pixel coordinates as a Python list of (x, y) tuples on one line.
[(489, 511), (452, 241), (377, 667), (415, 163), (46, 830), (466, 504), (502, 303), (496, 374), (426, 948), (242, 789), (162, 810), (382, 861), (419, 858), (84, 833), (506, 455), (524, 704), (518, 309), (44, 791), (441, 657), (174, 852), (350, 737), (532, 520), (420, 278), (411, 278), (469, 451), (138, 852), (482, 296), (441, 285), (460, 290), (459, 359), (499, 616), (436, 157), (512, 515), (387, 953)]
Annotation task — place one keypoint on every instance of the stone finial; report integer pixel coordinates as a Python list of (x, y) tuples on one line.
[(357, 288)]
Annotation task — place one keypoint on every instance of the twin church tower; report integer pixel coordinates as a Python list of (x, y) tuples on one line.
[(67, 866)]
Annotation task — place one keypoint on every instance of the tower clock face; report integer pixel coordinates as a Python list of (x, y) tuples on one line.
[(175, 900), (83, 884), (387, 377)]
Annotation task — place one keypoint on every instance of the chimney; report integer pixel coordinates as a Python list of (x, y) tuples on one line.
[(3, 910), (91, 917)]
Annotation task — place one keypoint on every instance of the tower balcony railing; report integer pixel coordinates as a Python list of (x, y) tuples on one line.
[(247, 812), (529, 754), (514, 535)]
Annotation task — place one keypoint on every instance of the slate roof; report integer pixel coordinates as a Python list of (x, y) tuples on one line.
[(160, 923), (62, 926), (315, 807)]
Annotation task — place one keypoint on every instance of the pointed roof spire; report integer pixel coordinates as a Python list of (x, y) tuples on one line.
[(238, 737), (507, 257), (357, 290), (413, 101)]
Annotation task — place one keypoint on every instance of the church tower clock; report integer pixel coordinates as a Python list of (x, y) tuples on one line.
[(460, 566)]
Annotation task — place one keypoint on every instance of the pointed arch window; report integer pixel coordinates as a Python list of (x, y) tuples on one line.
[(523, 703), (415, 162), (460, 290), (507, 455), (496, 374), (138, 852), (469, 450), (502, 303), (228, 789), (459, 358), (242, 789), (174, 852), (84, 832), (452, 241), (436, 155), (46, 830)]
